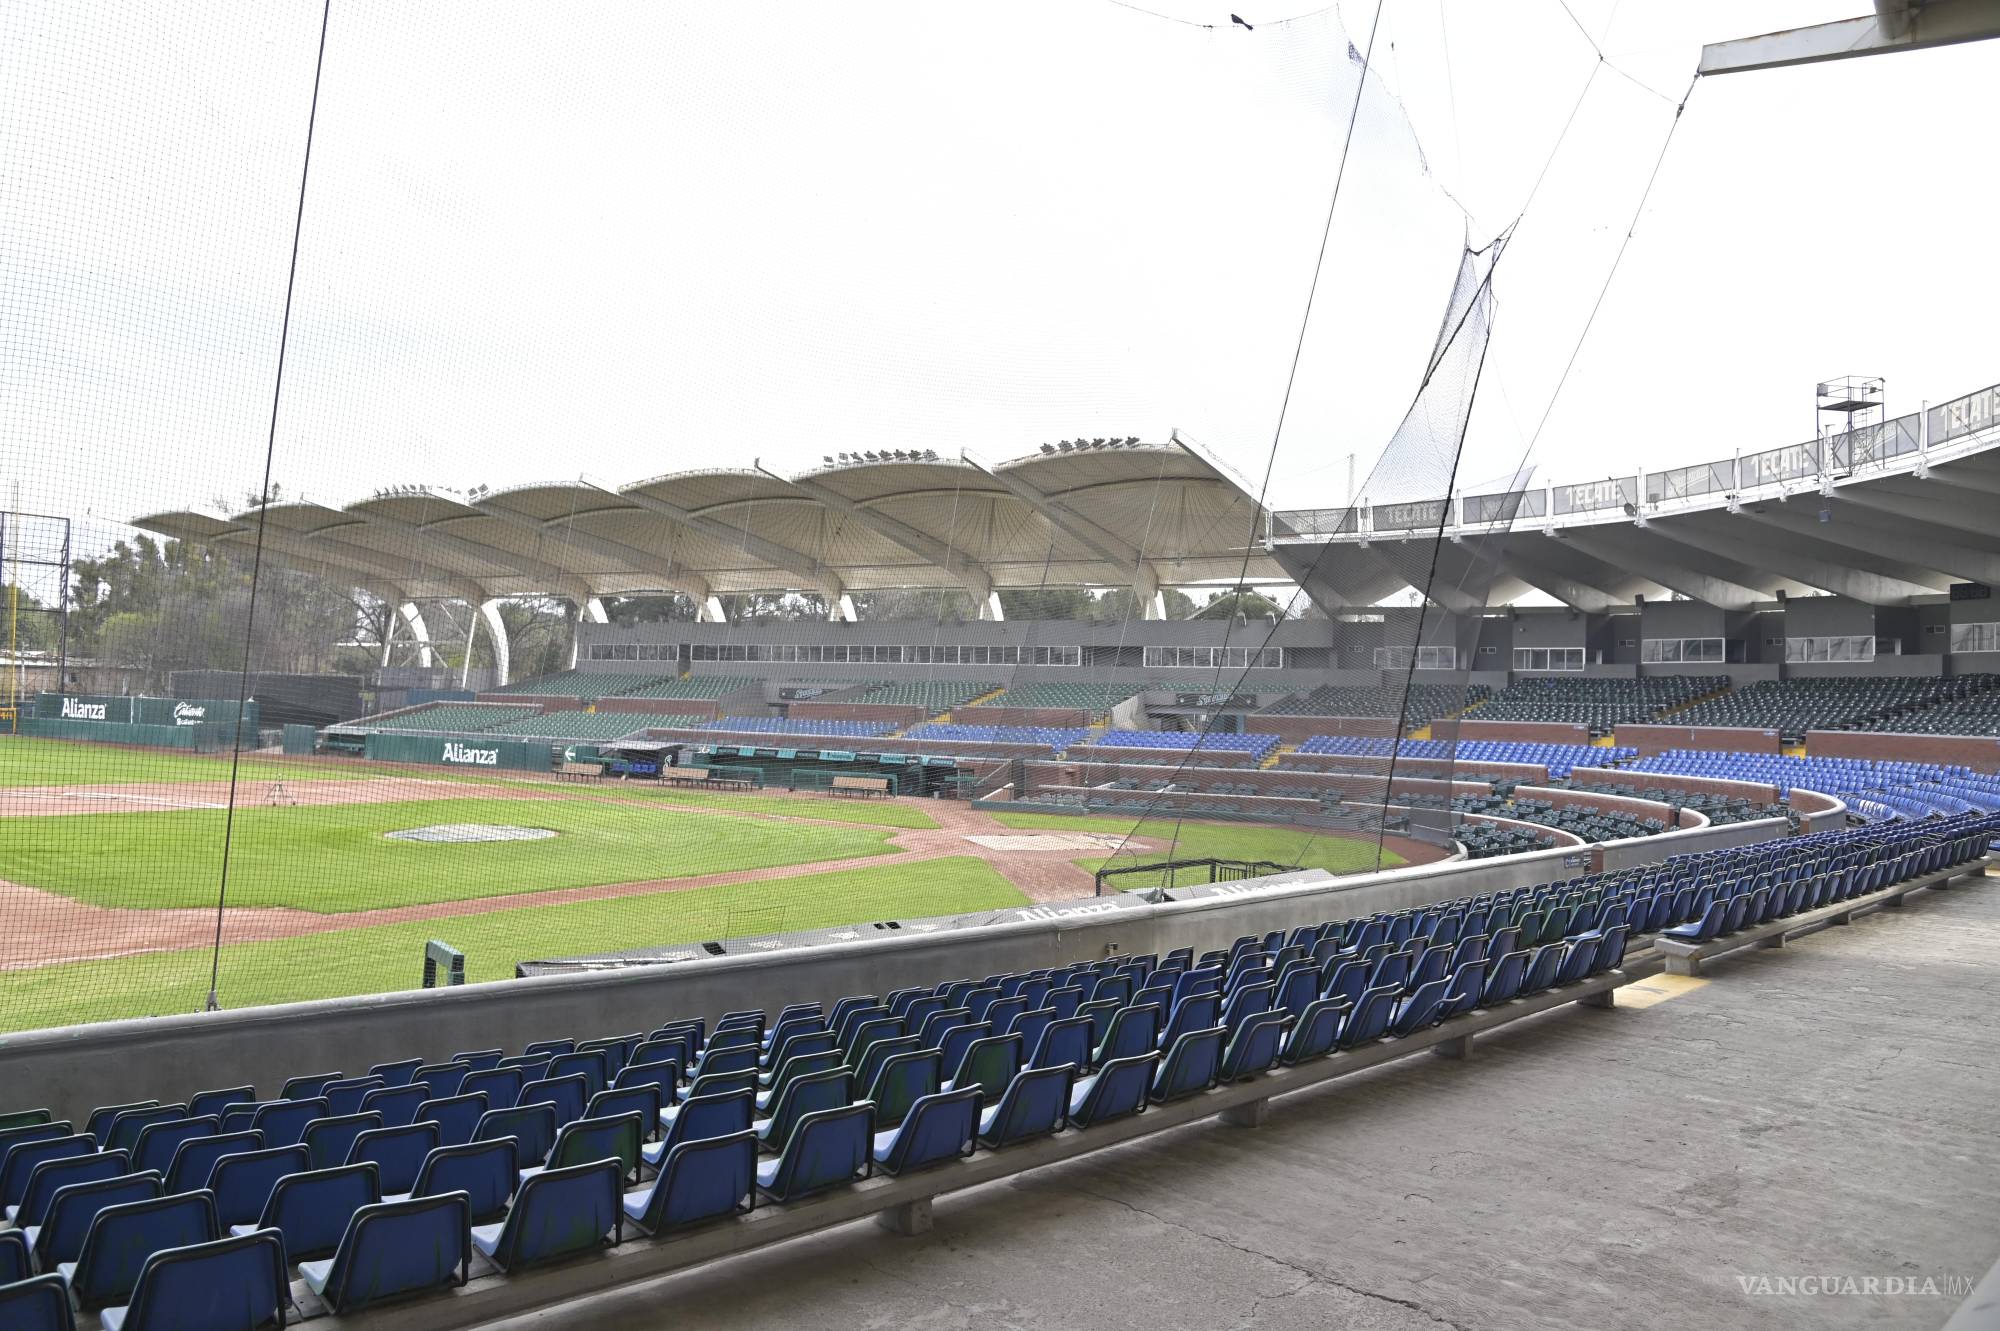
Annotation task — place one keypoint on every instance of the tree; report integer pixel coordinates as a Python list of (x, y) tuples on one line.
[(1245, 601), (26, 625)]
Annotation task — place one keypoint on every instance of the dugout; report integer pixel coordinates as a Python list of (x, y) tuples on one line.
[(815, 769)]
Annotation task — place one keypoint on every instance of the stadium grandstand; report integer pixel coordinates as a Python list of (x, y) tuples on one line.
[(1554, 901)]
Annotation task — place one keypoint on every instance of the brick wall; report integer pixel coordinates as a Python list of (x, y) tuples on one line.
[(1979, 752), (1294, 729), (1652, 739), (1532, 732)]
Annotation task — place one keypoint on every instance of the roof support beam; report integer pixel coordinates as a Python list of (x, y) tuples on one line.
[(1572, 593), (331, 558), (1858, 528), (1896, 25), (1113, 550), (817, 576), (560, 583), (1661, 565), (1734, 539), (970, 574), (565, 529)]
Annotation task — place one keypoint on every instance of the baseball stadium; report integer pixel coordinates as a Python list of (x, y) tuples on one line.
[(438, 895)]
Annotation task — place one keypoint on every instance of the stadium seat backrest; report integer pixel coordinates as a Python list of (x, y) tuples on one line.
[(500, 1086), (123, 1134), (1034, 1104), (486, 1172), (1191, 1064), (15, 1261), (1254, 1046), (558, 1213), (397, 1154), (237, 1282), (990, 1063), (203, 1103), (25, 1155), (66, 1226), (39, 1303), (122, 1237), (1117, 1090), (703, 1180), (327, 1140), (242, 1181), (827, 1149), (457, 1116), (905, 1078), (312, 1209), (1063, 1041), (51, 1175), (531, 1127), (396, 1248), (586, 1139), (940, 1126)]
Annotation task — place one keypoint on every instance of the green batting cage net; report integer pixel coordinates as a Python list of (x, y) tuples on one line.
[(548, 484)]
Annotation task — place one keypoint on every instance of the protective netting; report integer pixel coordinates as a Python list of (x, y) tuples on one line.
[(959, 578)]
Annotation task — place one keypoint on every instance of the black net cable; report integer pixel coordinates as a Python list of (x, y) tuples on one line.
[(263, 507), (1291, 382)]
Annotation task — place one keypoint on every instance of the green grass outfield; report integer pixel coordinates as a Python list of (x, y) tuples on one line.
[(29, 761), (335, 858), (380, 958), (1289, 846)]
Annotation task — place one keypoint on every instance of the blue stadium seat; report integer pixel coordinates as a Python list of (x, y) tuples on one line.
[(39, 1303), (307, 1086), (393, 1250), (698, 1180), (1317, 1031), (398, 1105), (236, 1283), (327, 1139), (485, 1172), (397, 1154), (1116, 1090), (66, 1225), (457, 1116), (500, 1086), (102, 1117), (123, 1134), (905, 1078), (587, 1139), (826, 1149), (25, 1155), (940, 1127), (122, 1237), (700, 1117), (802, 1095), (203, 1103), (1035, 1104), (283, 1122), (557, 1213), (344, 1097), (15, 1261), (242, 1182), (1190, 1066), (51, 1175), (311, 1209), (1254, 1047), (399, 1073)]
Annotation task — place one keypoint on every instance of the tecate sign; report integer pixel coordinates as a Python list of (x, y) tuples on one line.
[(187, 714), (75, 709), (454, 752)]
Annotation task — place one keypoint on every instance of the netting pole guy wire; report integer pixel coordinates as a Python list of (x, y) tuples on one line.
[(263, 506)]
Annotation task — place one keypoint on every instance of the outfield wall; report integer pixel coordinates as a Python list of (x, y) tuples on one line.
[(72, 1069)]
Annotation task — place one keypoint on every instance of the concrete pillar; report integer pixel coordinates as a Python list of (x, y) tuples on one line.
[(906, 1218), (991, 609), (1461, 1048), (1146, 591), (1254, 1114), (711, 611), (842, 609)]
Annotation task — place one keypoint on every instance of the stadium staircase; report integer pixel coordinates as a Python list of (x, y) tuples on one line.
[(1271, 758)]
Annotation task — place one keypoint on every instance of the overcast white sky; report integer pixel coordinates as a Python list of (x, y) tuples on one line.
[(620, 240)]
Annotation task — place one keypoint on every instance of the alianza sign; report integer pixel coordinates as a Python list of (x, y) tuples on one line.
[(467, 755)]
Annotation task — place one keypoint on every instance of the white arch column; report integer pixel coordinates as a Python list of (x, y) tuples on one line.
[(489, 610), (1146, 591), (419, 631)]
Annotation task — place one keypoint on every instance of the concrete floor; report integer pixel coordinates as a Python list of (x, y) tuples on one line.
[(1825, 1110)]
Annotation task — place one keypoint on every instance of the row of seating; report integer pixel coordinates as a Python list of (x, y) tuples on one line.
[(1054, 738), (571, 723), (448, 717), (1257, 746), (589, 684), (933, 695), (1557, 758), (786, 725), (1066, 695), (542, 1155), (1600, 704), (1416, 706), (1794, 706)]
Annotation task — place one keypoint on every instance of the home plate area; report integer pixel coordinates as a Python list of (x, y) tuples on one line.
[(1056, 841)]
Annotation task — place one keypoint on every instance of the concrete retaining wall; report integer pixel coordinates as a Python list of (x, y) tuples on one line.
[(73, 1069), (1652, 739)]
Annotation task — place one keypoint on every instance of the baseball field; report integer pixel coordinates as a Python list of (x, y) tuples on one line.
[(339, 871)]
